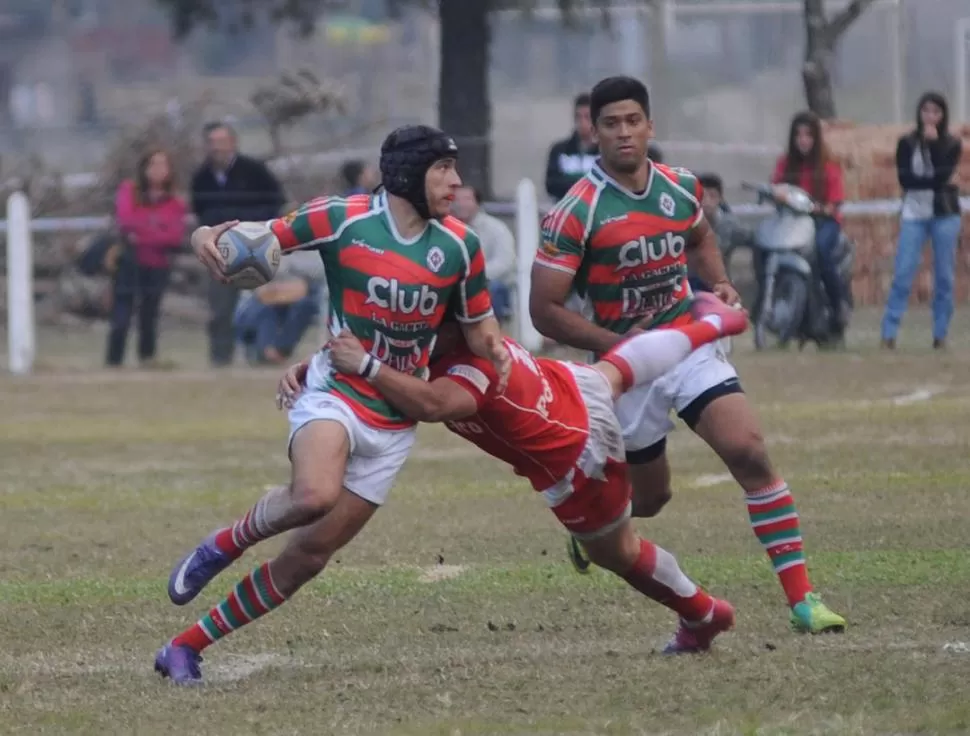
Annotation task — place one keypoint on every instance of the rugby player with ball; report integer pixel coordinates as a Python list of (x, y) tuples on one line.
[(396, 264)]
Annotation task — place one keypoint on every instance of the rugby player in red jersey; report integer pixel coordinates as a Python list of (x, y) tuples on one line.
[(555, 424)]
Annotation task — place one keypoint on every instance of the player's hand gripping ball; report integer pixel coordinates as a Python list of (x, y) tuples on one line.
[(252, 254)]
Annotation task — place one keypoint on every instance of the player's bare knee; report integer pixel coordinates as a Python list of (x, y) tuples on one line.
[(747, 457), (313, 500), (629, 553), (618, 552), (318, 453)]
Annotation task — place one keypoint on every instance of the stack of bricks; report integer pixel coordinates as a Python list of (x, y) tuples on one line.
[(867, 154)]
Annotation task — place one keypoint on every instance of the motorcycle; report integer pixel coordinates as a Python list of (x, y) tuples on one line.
[(792, 303)]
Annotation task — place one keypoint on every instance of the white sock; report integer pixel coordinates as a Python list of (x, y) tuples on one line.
[(648, 356)]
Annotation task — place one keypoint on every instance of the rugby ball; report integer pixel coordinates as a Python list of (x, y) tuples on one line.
[(252, 254)]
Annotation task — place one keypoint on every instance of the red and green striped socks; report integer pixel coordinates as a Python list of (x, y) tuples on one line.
[(775, 523), (253, 597), (261, 522)]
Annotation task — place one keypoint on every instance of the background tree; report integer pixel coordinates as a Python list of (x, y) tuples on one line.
[(292, 97), (464, 100), (822, 38)]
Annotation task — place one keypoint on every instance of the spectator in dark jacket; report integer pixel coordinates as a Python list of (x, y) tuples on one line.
[(230, 186), (926, 163), (572, 157)]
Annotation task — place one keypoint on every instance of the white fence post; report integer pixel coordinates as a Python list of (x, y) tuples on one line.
[(961, 45), (21, 344), (527, 244)]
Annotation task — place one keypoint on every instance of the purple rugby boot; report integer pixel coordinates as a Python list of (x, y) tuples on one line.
[(179, 663), (196, 570)]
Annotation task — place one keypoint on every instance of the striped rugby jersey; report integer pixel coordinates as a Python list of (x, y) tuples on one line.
[(390, 292), (627, 250)]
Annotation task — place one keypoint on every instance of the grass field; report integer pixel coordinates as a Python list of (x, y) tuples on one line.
[(455, 612)]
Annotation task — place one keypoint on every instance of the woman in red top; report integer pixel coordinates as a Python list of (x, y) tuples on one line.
[(809, 166), (151, 217)]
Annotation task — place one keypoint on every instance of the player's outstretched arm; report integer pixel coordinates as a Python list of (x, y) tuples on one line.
[(315, 223), (550, 289), (438, 401)]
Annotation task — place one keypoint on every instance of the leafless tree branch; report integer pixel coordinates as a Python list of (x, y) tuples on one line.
[(847, 16)]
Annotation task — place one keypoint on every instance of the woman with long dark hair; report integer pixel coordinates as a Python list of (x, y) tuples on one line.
[(808, 165), (151, 217), (926, 161)]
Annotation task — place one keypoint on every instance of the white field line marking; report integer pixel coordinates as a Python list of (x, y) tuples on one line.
[(957, 647), (714, 479), (238, 666), (921, 394), (440, 572)]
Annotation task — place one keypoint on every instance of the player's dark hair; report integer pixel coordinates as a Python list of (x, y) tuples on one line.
[(712, 181), (816, 160), (617, 89), (582, 100), (939, 100)]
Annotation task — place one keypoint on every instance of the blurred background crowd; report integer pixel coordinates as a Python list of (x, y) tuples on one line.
[(103, 111)]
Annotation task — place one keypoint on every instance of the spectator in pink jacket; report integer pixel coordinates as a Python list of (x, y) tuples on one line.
[(151, 217)]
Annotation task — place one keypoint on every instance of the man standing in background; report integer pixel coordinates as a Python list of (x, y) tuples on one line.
[(572, 157), (230, 186), (498, 247)]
